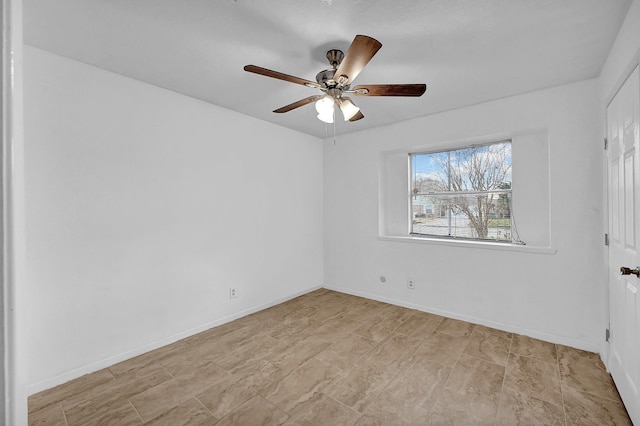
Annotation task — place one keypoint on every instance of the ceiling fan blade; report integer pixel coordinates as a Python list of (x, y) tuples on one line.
[(390, 90), (298, 104), (359, 54), (280, 76), (357, 117)]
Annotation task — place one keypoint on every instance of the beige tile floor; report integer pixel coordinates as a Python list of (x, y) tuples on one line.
[(327, 358)]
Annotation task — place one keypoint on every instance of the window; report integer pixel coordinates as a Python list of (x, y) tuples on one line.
[(462, 193)]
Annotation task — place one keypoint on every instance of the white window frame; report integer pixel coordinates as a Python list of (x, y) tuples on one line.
[(512, 234)]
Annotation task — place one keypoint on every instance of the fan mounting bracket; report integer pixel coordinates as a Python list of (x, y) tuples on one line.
[(335, 56)]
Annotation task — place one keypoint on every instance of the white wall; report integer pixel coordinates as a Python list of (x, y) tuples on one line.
[(553, 293), (623, 56), (144, 206)]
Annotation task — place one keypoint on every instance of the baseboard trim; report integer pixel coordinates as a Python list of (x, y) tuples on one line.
[(107, 362), (547, 337)]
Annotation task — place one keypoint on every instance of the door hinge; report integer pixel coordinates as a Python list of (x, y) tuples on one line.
[(606, 239), (606, 143), (607, 334)]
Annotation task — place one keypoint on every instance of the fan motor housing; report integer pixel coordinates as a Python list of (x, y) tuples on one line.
[(325, 78)]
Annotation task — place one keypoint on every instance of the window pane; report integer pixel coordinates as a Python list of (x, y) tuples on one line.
[(464, 193), (480, 216)]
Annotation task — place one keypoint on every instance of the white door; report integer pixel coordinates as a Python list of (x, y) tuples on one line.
[(623, 124)]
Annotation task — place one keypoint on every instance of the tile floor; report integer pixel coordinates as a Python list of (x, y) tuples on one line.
[(327, 358)]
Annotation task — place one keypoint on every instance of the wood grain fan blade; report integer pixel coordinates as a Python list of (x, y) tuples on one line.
[(357, 117), (280, 76), (390, 90), (298, 104), (359, 54)]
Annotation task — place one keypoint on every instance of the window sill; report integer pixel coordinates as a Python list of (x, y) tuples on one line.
[(470, 244)]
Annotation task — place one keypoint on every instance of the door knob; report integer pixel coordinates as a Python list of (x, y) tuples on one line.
[(628, 271)]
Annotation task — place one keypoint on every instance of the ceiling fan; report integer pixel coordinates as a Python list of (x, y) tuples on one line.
[(335, 82)]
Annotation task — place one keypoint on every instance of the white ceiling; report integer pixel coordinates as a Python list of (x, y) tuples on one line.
[(466, 51)]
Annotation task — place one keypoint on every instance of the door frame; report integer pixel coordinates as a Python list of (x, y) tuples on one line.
[(14, 353)]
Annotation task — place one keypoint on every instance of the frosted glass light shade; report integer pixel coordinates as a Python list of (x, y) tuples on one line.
[(327, 118), (324, 106), (349, 109)]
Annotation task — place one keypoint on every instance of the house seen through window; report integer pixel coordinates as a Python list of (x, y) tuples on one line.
[(462, 193)]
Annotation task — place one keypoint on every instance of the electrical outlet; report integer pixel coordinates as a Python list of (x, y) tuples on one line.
[(411, 283), (232, 293)]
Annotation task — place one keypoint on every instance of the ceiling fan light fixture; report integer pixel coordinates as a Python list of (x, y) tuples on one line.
[(324, 106), (337, 80), (348, 108), (327, 118)]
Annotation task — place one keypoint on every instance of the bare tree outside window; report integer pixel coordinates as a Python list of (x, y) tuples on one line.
[(463, 193)]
